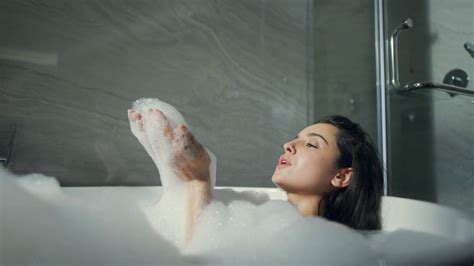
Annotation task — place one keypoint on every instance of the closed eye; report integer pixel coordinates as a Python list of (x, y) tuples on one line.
[(311, 145)]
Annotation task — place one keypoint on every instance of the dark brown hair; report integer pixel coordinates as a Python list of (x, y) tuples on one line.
[(358, 204)]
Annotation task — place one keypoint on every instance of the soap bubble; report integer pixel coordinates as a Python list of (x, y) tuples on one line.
[(175, 119), (171, 113), (90, 229), (43, 223)]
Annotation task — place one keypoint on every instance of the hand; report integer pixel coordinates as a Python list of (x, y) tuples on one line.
[(191, 161), (187, 157)]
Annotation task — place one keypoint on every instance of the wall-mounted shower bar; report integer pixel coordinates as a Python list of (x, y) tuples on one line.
[(394, 71), (437, 86), (395, 79)]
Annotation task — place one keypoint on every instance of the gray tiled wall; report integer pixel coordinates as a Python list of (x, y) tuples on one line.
[(238, 71), (432, 133)]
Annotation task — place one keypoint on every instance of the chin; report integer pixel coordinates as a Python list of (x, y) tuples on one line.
[(276, 176), (277, 180), (274, 179)]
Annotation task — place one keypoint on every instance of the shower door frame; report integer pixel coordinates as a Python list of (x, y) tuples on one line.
[(382, 89)]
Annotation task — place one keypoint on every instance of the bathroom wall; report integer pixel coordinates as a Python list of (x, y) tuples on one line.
[(238, 71), (344, 61), (432, 133), (452, 24), (411, 117)]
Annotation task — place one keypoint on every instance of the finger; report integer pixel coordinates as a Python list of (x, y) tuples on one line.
[(134, 114), (129, 113), (139, 121), (182, 130), (167, 128)]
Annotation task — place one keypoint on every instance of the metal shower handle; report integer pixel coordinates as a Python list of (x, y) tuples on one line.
[(452, 89), (395, 78)]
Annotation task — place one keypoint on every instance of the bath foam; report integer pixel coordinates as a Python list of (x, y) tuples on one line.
[(155, 131), (275, 232), (112, 228), (41, 224), (168, 215), (91, 230), (45, 187), (239, 230), (176, 119), (109, 226), (171, 113)]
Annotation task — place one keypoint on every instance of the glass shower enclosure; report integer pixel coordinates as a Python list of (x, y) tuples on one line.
[(424, 63)]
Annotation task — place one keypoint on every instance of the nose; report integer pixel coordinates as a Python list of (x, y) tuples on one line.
[(289, 147)]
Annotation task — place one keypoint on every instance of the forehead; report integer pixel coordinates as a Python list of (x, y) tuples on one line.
[(328, 131)]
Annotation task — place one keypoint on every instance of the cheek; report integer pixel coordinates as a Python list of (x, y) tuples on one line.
[(311, 171), (309, 174)]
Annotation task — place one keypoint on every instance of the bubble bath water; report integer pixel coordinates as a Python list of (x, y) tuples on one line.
[(42, 224)]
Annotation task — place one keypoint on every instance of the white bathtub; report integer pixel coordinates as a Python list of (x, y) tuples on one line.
[(397, 213), (400, 216), (402, 213)]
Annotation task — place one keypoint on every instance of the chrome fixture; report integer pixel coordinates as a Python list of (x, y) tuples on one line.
[(407, 24), (383, 135), (457, 77), (451, 89), (454, 83), (469, 48), (5, 159)]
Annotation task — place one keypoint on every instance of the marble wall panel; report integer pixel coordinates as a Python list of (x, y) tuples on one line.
[(238, 71), (344, 61)]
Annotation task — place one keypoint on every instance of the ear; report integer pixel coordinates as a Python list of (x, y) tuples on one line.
[(342, 178)]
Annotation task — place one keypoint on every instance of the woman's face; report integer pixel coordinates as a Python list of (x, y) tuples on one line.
[(308, 163)]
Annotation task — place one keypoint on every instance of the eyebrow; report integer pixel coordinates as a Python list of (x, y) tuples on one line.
[(315, 135)]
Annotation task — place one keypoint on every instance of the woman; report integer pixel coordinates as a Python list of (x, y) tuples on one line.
[(331, 169)]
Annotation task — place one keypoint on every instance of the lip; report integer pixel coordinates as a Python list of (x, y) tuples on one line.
[(283, 162)]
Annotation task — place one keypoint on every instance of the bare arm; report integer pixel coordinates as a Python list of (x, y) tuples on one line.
[(182, 153), (191, 163), (198, 197)]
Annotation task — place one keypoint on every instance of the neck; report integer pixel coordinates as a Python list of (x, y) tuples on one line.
[(307, 205)]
